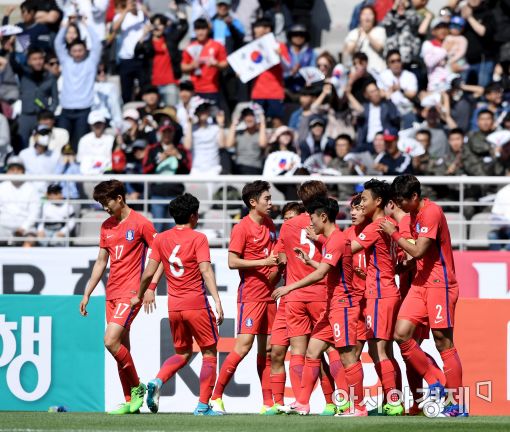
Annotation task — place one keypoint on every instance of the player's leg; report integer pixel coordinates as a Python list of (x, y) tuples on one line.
[(328, 383), (124, 380), (264, 370)]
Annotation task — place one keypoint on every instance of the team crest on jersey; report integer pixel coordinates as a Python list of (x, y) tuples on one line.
[(272, 236), (130, 235), (362, 236), (328, 256), (424, 230), (249, 322)]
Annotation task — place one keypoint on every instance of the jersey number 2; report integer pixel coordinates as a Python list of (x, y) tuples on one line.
[(176, 266)]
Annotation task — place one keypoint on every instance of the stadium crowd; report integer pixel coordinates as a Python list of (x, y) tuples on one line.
[(104, 86)]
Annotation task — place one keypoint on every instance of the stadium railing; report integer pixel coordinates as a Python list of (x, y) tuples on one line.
[(219, 215)]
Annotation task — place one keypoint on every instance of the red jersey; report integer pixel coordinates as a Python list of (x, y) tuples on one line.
[(182, 250), (406, 277), (382, 253), (337, 253), (293, 234), (253, 242), (162, 71), (205, 79), (359, 259), (436, 269), (126, 243), (269, 84)]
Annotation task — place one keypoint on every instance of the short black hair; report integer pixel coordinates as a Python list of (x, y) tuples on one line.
[(345, 137), (263, 22), (404, 186), (356, 200), (485, 111), (324, 205), (247, 112), (186, 85), (293, 206), (379, 189), (424, 132), (45, 115), (54, 188), (150, 89), (254, 191), (77, 42), (361, 56), (183, 207), (35, 50), (200, 23), (455, 131), (162, 18), (392, 52), (108, 190), (29, 6), (493, 87)]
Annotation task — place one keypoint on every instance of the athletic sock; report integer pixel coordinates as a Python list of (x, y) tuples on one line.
[(388, 377), (264, 372), (227, 371), (125, 362), (338, 372), (354, 378), (453, 371), (126, 389), (296, 366), (311, 372), (278, 387), (171, 366), (414, 356), (327, 382), (207, 378)]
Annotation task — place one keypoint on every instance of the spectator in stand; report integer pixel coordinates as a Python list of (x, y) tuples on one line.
[(301, 55), (501, 216), (456, 44), (375, 115), (400, 86), (300, 118), (343, 146), (459, 104), (204, 140), (9, 85), (58, 137), (148, 124), (203, 59), (478, 156), (95, 148), (369, 39), (165, 158), (129, 26), (19, 206), (268, 88), (226, 28), (402, 24), (131, 130), (436, 58), (162, 58), (432, 123), (73, 33), (494, 102), (52, 65), (325, 62), (186, 93), (359, 77), (5, 141), (57, 218), (282, 158), (316, 141), (453, 158), (67, 165), (393, 161), (136, 190), (107, 99), (426, 164), (479, 32), (38, 90), (249, 142), (93, 11), (79, 69)]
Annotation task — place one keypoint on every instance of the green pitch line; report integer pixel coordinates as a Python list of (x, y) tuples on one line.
[(18, 422)]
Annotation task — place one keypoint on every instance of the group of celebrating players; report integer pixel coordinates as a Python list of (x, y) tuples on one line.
[(390, 277)]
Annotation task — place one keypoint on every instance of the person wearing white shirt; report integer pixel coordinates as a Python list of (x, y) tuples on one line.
[(129, 25), (400, 86), (186, 94), (19, 205), (95, 148), (501, 215)]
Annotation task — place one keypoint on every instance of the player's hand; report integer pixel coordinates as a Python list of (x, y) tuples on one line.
[(302, 255), (134, 302), (387, 227), (271, 260), (280, 292), (360, 272), (219, 313), (310, 234), (149, 301), (83, 306)]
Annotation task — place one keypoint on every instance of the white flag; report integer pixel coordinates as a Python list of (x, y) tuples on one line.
[(254, 58)]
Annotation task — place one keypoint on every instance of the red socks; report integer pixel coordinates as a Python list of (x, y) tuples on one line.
[(125, 386), (327, 382), (207, 378), (386, 372), (278, 387), (398, 374), (264, 371), (337, 371), (453, 371), (296, 366), (311, 372), (171, 366), (415, 381), (227, 370), (354, 378), (125, 363), (414, 356)]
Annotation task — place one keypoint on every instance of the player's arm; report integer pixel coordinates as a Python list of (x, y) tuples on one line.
[(149, 298), (97, 274), (303, 256), (147, 277), (314, 277), (356, 247), (417, 250), (208, 275), (235, 262), (275, 275)]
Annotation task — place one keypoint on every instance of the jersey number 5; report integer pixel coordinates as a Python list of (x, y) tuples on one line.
[(176, 266), (306, 241)]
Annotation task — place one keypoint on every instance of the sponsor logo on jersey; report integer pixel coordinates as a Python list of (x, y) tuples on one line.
[(362, 236), (130, 235), (249, 322)]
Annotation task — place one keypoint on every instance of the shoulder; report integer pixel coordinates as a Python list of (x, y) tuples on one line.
[(109, 223)]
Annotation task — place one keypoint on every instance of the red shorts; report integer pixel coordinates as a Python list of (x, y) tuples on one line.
[(119, 311), (279, 334), (338, 326), (381, 316), (199, 324), (255, 317), (303, 316), (430, 306)]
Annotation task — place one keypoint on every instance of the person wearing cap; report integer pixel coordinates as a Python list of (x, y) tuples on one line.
[(67, 165), (226, 28), (435, 57), (249, 143), (456, 44), (393, 161), (301, 55), (19, 205), (203, 59), (159, 47), (316, 142), (58, 137), (493, 95), (95, 148), (57, 218)]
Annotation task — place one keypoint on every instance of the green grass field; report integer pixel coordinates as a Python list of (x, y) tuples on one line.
[(30, 421)]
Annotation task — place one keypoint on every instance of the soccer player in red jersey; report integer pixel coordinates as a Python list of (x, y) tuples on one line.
[(186, 259), (125, 239), (381, 292), (338, 325), (251, 252), (433, 294)]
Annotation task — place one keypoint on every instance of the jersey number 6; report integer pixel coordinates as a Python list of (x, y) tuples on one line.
[(176, 266)]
